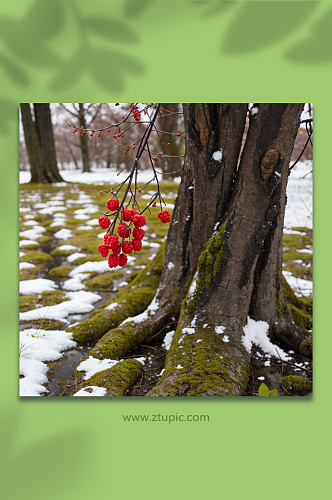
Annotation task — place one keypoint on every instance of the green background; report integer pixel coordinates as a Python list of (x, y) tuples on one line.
[(170, 51)]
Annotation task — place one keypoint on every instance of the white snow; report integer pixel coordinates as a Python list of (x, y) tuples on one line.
[(112, 306), (193, 286), (75, 256), (299, 285), (96, 176), (179, 367), (38, 285), (261, 378), (63, 234), (68, 248), (188, 330), (170, 266), (25, 265), (79, 302), (199, 340), (254, 111), (38, 346), (150, 311), (21, 254), (91, 366), (24, 243), (91, 390), (219, 329), (217, 155), (168, 340), (255, 332), (162, 371), (225, 338)]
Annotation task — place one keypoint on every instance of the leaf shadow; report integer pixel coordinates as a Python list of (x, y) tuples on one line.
[(264, 24), (316, 48), (57, 454)]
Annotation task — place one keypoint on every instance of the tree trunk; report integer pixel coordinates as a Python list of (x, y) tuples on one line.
[(84, 139), (240, 270), (38, 171), (170, 123), (46, 140), (223, 258)]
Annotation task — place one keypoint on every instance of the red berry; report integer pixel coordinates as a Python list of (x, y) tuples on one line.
[(154, 159), (113, 261), (138, 233), (139, 191), (164, 216), (110, 240), (103, 250), (127, 247), (116, 249), (123, 259), (139, 220), (154, 204), (123, 230), (104, 222), (127, 214), (112, 204), (137, 245)]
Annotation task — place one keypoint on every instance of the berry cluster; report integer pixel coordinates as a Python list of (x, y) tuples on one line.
[(120, 249), (164, 216), (137, 114)]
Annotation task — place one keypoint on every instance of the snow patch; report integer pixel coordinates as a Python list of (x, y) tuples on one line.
[(217, 155), (170, 266), (39, 285), (255, 332), (168, 340)]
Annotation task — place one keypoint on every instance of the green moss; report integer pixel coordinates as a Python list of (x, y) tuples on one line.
[(300, 317), (209, 266), (295, 384), (61, 271), (132, 300), (117, 379), (306, 348), (31, 247), (60, 253), (115, 343), (29, 302), (36, 257), (102, 281), (206, 365), (44, 239)]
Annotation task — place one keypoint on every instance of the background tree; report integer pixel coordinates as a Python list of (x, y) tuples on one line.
[(172, 122), (85, 115), (39, 141)]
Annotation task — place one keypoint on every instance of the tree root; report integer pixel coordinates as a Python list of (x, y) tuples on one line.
[(117, 379)]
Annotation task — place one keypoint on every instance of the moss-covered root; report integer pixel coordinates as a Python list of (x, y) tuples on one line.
[(115, 343), (128, 302), (296, 385), (117, 379), (306, 348), (203, 362)]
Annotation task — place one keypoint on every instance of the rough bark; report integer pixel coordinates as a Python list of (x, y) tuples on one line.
[(39, 141), (46, 140), (170, 123), (38, 173), (84, 139), (222, 294), (223, 256)]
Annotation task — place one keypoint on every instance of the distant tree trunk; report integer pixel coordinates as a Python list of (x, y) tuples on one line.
[(170, 123), (40, 144), (45, 135), (84, 139)]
